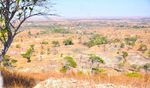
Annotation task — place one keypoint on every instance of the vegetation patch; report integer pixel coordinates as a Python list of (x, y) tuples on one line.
[(130, 40), (59, 30), (69, 63), (28, 54), (68, 42), (134, 74), (56, 43), (96, 40)]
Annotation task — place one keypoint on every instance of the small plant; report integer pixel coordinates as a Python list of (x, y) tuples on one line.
[(146, 67), (69, 63), (96, 40), (32, 47), (124, 54), (142, 48), (95, 58), (97, 70), (130, 40), (116, 40), (44, 42), (133, 74), (55, 43), (18, 46), (122, 45), (28, 54), (7, 61), (68, 42)]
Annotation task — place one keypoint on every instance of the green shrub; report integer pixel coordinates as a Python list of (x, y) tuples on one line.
[(55, 43), (68, 42), (64, 69), (60, 30), (142, 48), (7, 61), (122, 45), (28, 54), (69, 63), (124, 54), (98, 70), (44, 42), (134, 74), (130, 40), (32, 47), (95, 58), (146, 66), (96, 40)]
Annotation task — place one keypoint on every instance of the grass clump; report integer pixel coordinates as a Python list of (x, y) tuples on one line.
[(96, 40), (12, 79), (69, 63), (130, 40), (142, 48), (134, 74), (68, 42), (147, 66), (8, 61), (44, 42), (56, 43), (98, 70)]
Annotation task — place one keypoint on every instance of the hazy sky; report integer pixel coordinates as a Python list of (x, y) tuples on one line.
[(102, 8)]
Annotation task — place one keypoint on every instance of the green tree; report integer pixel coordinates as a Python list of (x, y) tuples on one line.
[(13, 13)]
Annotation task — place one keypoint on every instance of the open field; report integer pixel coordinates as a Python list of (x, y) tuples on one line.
[(85, 53)]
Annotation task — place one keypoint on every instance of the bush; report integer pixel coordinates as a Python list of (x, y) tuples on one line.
[(44, 42), (69, 63), (95, 58), (142, 48), (7, 61), (68, 42), (146, 66), (59, 30), (124, 54), (28, 54), (55, 43), (96, 40), (98, 70), (130, 40), (64, 69)]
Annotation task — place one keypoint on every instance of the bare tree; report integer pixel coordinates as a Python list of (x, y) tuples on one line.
[(13, 13)]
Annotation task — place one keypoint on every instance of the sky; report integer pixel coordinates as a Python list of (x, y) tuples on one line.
[(102, 8)]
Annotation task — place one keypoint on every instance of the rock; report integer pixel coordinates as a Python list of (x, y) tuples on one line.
[(72, 83)]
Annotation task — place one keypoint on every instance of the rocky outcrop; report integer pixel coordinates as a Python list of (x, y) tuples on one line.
[(72, 83)]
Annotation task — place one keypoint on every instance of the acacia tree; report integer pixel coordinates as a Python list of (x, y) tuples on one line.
[(13, 13)]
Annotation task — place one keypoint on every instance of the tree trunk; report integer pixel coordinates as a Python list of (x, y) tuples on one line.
[(5, 48)]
